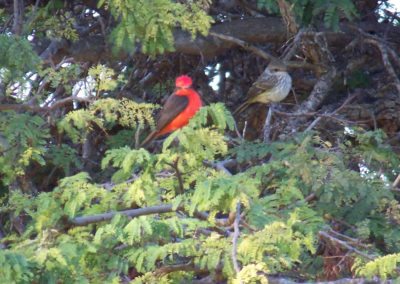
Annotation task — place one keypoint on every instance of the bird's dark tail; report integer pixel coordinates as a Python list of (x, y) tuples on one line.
[(241, 108), (148, 139)]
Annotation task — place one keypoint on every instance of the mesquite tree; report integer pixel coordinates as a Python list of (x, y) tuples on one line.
[(308, 192)]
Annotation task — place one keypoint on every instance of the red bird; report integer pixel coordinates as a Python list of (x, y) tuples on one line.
[(179, 108)]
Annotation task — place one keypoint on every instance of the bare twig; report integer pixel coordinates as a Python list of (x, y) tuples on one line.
[(310, 197), (2, 246), (289, 114), (245, 45), (349, 247), (312, 125), (235, 238), (178, 173), (267, 124), (396, 181), (344, 244), (292, 49), (288, 17), (346, 102), (221, 165), (348, 239), (244, 129), (137, 136), (260, 52), (237, 131), (33, 13)]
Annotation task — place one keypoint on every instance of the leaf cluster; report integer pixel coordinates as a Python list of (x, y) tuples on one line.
[(309, 12), (281, 227), (16, 58), (151, 23)]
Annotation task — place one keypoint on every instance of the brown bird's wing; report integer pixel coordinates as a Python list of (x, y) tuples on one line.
[(171, 109), (263, 83)]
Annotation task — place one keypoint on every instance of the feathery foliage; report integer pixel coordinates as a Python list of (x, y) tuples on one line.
[(81, 203), (308, 11), (151, 23), (16, 58)]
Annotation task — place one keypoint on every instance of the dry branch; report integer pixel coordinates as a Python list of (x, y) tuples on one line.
[(288, 17), (245, 45), (344, 244), (267, 124), (261, 53), (330, 115)]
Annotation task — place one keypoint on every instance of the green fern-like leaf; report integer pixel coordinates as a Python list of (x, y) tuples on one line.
[(382, 267), (152, 22)]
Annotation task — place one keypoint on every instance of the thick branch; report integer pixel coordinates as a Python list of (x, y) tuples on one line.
[(319, 92), (386, 61), (260, 30), (18, 17), (33, 108), (85, 220)]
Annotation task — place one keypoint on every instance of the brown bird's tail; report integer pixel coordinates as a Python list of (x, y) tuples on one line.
[(148, 139), (241, 108)]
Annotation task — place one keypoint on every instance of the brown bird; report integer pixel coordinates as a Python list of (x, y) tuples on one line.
[(272, 86)]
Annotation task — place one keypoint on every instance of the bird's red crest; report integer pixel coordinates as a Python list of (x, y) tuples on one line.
[(183, 81)]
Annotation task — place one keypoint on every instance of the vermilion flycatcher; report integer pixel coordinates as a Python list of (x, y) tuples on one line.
[(273, 85), (179, 108)]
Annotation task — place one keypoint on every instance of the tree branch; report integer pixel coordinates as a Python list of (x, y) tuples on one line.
[(267, 124), (318, 94), (386, 62), (221, 165), (57, 104), (346, 102), (85, 220), (344, 244), (178, 173), (18, 17), (247, 46), (235, 238), (244, 45), (177, 267)]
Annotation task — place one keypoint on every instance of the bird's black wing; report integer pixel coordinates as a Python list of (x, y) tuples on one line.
[(171, 109)]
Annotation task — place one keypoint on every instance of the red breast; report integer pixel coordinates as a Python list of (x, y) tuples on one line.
[(183, 118)]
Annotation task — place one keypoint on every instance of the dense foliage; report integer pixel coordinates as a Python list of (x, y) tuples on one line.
[(80, 202)]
